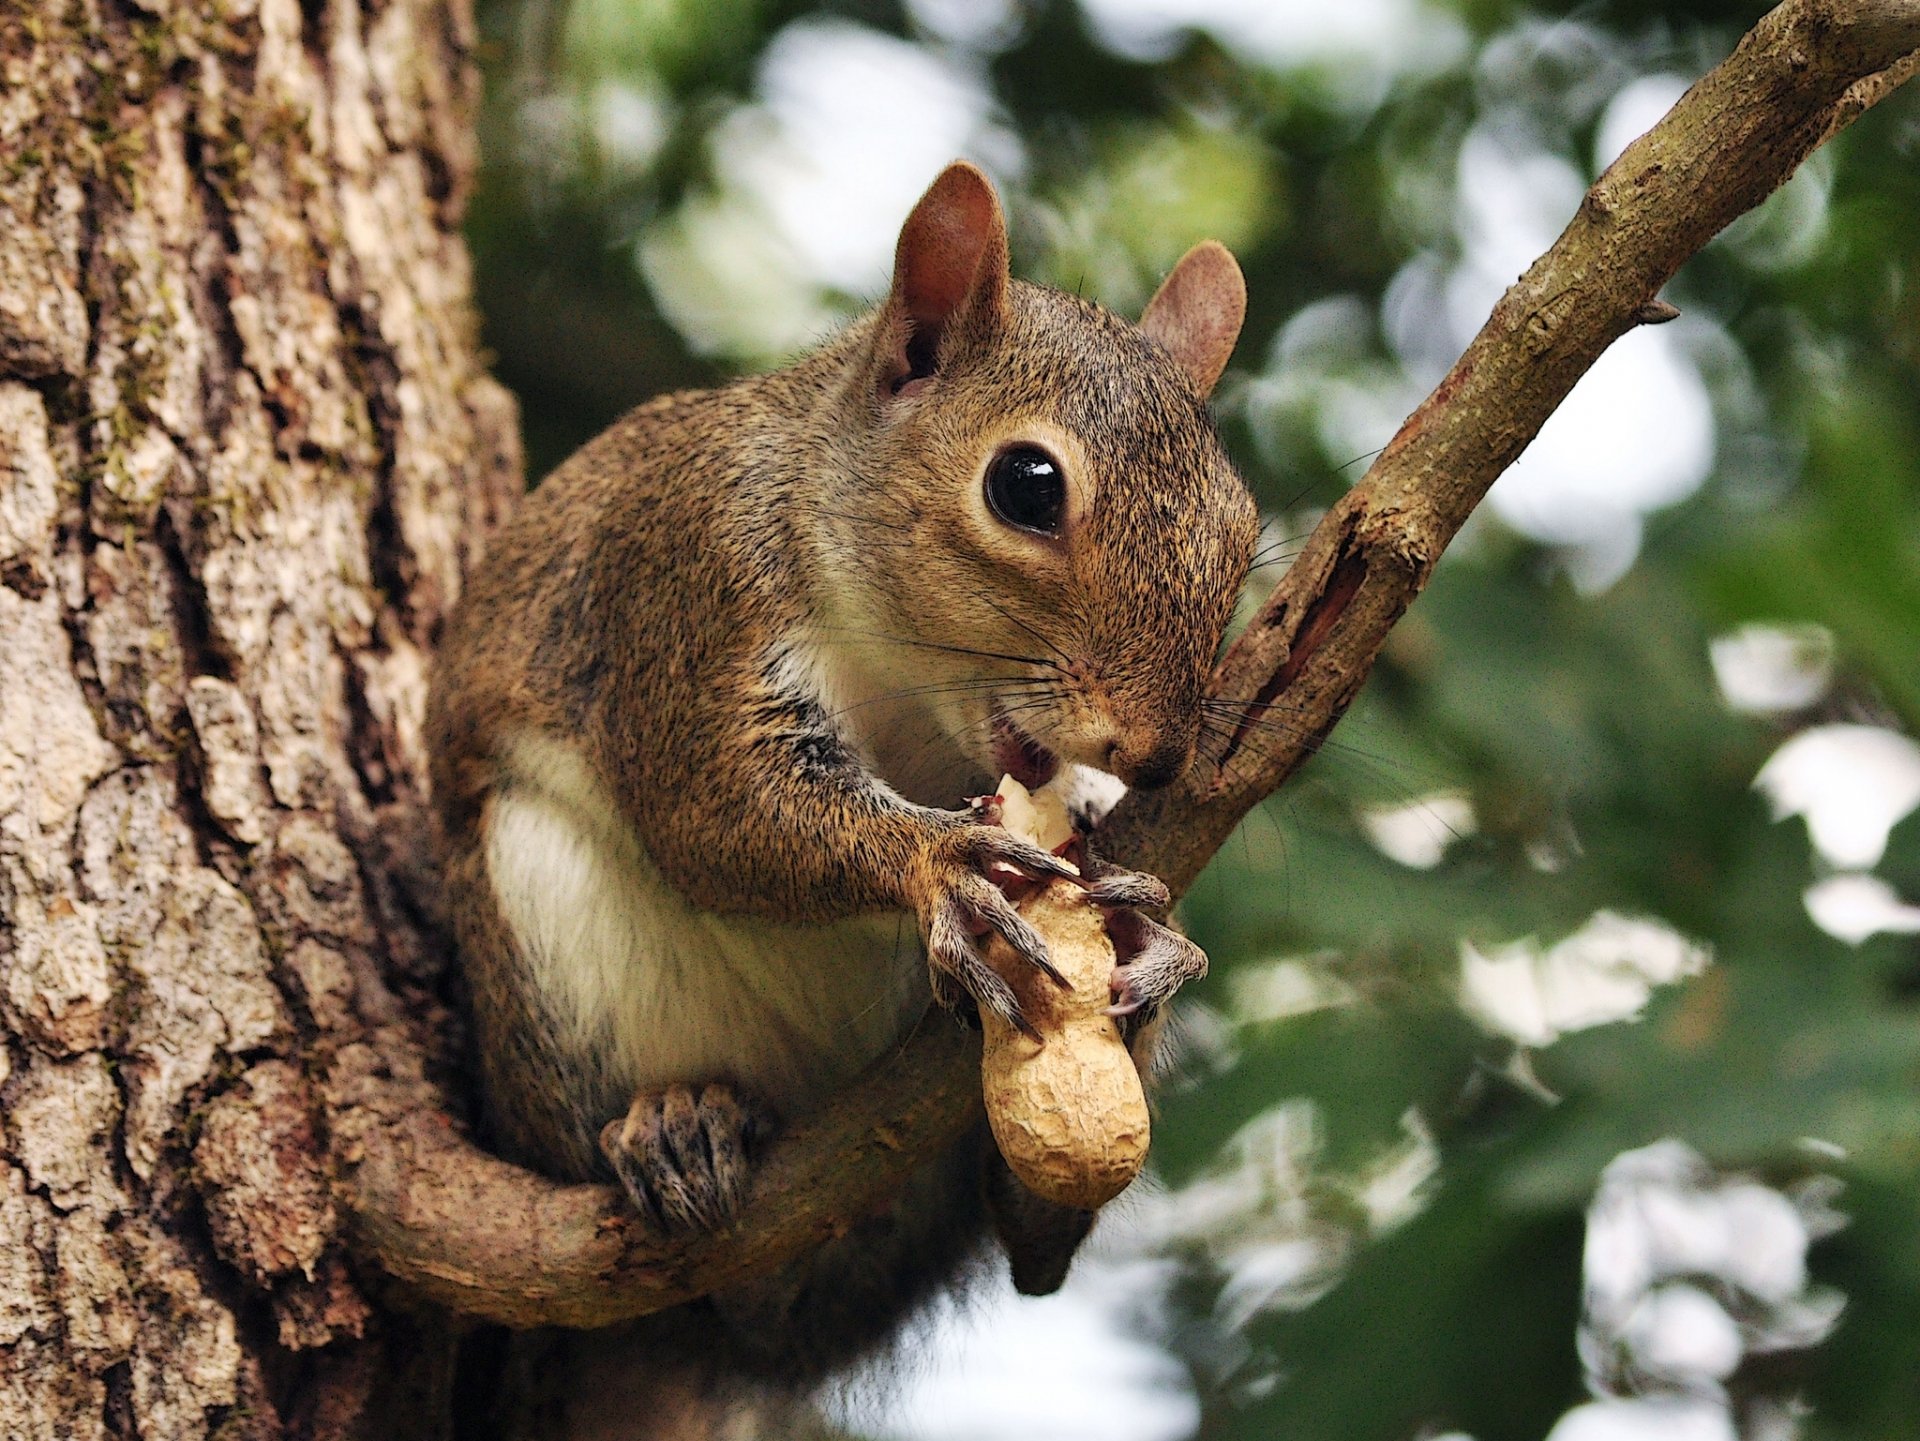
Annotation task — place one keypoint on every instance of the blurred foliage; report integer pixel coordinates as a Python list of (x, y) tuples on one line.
[(1604, 768)]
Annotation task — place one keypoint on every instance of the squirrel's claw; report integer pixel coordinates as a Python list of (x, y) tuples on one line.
[(683, 1155), (1130, 890), (1154, 962), (992, 911), (995, 846), (964, 900), (959, 970)]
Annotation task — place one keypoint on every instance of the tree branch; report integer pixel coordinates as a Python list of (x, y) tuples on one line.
[(487, 1239)]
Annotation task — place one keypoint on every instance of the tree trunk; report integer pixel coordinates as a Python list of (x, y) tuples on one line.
[(245, 444)]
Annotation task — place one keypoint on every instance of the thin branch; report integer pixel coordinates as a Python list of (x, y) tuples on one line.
[(489, 1240)]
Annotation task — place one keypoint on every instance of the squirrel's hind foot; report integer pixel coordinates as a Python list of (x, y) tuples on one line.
[(684, 1155)]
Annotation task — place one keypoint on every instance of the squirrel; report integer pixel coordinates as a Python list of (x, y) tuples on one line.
[(700, 719)]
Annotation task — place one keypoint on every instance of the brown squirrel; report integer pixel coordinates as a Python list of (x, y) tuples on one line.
[(700, 718)]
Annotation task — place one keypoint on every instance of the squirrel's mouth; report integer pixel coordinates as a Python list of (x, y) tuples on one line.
[(1017, 754)]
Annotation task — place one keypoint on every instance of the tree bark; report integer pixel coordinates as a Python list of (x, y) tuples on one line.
[(246, 446)]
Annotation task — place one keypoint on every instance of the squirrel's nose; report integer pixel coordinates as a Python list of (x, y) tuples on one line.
[(1149, 761)]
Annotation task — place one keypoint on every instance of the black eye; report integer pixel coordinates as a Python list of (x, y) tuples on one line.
[(1025, 488)]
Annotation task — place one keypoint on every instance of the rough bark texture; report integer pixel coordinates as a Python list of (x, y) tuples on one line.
[(245, 444)]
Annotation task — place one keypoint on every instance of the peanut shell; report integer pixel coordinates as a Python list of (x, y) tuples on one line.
[(1067, 1111)]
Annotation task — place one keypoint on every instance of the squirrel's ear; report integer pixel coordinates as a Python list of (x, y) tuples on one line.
[(949, 273), (1197, 311)]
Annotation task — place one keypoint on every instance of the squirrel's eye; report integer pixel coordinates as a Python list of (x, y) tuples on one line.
[(1026, 489)]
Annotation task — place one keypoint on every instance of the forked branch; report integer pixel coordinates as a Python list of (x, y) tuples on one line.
[(489, 1240)]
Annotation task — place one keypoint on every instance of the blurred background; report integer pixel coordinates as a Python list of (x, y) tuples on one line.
[(1559, 1070)]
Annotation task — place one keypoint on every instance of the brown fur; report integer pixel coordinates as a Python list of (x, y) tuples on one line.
[(646, 603)]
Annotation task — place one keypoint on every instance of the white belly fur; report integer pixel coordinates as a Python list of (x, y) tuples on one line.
[(790, 1013)]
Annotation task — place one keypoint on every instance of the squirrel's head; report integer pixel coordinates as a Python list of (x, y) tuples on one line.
[(1046, 536)]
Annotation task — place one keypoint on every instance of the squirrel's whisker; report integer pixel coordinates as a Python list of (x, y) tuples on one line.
[(957, 687), (939, 646), (1004, 614)]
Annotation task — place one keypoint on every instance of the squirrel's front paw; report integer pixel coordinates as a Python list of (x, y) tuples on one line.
[(683, 1155), (1152, 960), (960, 899)]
